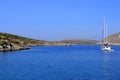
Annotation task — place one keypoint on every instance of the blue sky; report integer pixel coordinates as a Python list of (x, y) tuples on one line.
[(59, 19)]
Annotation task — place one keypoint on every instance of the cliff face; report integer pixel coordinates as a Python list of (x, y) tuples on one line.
[(114, 39)]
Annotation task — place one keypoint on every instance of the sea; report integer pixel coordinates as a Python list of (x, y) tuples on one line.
[(78, 62)]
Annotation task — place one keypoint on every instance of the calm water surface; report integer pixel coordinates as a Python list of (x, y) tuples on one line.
[(83, 62)]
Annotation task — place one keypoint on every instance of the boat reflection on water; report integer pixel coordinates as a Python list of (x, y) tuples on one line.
[(105, 66)]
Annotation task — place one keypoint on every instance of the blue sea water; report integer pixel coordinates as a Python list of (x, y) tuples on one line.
[(81, 62)]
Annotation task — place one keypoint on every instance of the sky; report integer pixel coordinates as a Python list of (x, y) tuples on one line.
[(54, 20)]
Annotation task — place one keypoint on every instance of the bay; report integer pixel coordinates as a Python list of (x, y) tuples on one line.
[(79, 62)]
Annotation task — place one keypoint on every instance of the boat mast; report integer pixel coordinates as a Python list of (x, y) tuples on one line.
[(105, 31), (106, 34)]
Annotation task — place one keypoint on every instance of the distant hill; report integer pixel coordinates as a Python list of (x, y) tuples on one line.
[(77, 41), (114, 39)]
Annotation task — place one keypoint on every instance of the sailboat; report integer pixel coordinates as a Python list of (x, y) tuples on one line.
[(105, 45)]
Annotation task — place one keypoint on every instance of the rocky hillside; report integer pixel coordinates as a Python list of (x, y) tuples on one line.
[(114, 39), (19, 40), (10, 42)]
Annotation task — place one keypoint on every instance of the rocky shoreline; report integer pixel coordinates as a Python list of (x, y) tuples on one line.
[(13, 48), (6, 47)]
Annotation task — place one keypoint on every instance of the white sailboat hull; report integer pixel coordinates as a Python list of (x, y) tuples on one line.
[(106, 48)]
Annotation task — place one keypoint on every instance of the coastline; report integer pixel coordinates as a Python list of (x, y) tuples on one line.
[(27, 47), (11, 42), (15, 49)]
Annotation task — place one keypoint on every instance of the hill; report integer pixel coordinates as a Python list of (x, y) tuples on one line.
[(114, 39), (10, 42), (81, 41), (19, 40)]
